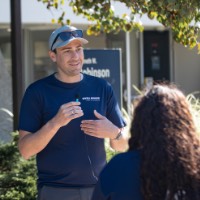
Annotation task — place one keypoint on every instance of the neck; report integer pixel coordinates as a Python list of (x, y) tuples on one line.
[(69, 79)]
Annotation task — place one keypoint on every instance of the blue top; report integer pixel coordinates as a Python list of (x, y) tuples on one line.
[(120, 179), (71, 158)]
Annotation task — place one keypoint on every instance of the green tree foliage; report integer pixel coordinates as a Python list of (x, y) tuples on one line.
[(181, 16), (17, 176)]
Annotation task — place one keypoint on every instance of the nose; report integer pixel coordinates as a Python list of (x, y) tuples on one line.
[(74, 54)]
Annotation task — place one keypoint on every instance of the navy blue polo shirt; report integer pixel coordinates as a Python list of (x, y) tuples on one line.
[(71, 158), (120, 179)]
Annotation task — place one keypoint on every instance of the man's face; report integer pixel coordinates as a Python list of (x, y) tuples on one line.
[(70, 58)]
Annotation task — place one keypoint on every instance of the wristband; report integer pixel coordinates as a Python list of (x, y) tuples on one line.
[(119, 136)]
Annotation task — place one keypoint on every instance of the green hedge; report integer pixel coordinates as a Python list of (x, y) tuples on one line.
[(17, 176)]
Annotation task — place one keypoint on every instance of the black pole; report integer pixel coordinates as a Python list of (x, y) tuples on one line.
[(16, 44)]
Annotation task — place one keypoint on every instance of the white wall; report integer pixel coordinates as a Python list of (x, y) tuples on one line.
[(36, 12), (33, 11), (186, 68)]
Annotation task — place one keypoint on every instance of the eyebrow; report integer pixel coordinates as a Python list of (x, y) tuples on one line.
[(72, 47)]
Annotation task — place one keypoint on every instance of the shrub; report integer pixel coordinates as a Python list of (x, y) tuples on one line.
[(18, 176)]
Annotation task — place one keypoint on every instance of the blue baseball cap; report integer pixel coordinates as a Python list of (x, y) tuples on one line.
[(64, 35)]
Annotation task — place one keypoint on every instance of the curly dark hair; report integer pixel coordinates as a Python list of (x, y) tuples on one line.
[(164, 131)]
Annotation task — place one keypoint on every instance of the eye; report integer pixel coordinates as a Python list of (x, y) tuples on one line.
[(79, 49), (67, 51)]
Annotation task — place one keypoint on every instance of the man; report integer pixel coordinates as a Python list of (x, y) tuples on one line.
[(64, 119)]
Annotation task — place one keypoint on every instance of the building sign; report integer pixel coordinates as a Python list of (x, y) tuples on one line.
[(105, 63)]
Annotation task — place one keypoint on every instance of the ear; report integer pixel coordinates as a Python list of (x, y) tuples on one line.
[(52, 55)]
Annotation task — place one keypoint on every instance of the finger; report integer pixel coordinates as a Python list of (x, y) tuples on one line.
[(74, 103), (89, 132), (70, 104), (76, 109), (88, 122), (88, 129), (92, 134), (98, 115), (76, 113)]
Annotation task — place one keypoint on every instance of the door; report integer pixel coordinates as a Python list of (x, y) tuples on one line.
[(156, 56)]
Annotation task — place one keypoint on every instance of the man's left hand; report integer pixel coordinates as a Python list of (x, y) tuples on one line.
[(101, 128)]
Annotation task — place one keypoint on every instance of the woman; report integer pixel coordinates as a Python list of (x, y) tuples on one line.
[(163, 160)]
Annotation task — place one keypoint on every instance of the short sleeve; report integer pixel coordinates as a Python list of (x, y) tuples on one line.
[(114, 113), (30, 111)]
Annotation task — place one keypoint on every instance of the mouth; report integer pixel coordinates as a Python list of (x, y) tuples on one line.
[(75, 64)]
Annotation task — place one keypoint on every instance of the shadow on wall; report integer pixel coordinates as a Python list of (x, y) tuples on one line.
[(6, 116)]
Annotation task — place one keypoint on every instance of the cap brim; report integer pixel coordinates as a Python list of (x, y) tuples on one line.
[(60, 44)]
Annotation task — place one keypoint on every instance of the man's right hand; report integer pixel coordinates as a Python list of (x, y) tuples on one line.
[(67, 112)]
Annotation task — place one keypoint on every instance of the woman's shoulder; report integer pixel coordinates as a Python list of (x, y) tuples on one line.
[(130, 156), (123, 161), (121, 176)]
